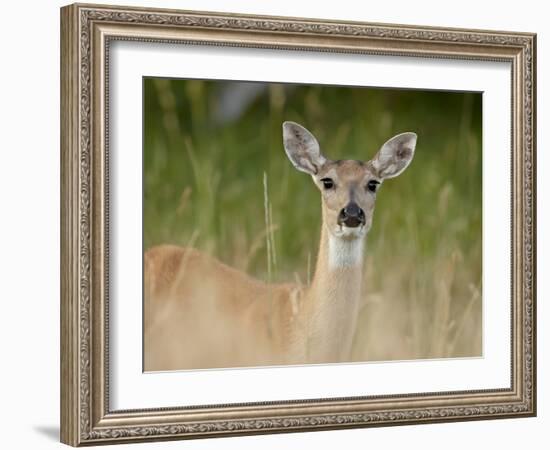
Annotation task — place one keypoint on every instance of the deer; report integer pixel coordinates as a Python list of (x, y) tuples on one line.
[(200, 313)]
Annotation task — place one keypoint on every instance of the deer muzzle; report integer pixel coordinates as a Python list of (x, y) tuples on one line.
[(351, 216)]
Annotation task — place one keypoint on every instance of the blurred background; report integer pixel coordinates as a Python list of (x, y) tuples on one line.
[(216, 178)]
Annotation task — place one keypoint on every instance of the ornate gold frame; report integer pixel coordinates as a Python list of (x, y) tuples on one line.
[(86, 31)]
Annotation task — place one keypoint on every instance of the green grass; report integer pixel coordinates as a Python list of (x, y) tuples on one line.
[(229, 188)]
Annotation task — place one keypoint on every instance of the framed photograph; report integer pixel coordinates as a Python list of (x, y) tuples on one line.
[(276, 225)]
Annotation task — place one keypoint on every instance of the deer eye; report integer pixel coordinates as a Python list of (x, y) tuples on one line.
[(328, 183), (372, 185)]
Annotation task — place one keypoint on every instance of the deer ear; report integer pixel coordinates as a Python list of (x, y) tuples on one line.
[(302, 148), (395, 155)]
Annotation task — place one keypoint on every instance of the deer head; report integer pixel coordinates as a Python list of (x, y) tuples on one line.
[(348, 188)]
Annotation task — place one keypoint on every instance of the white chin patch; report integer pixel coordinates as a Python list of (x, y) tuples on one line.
[(350, 233), (346, 248)]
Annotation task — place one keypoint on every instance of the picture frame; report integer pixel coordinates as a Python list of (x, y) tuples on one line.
[(87, 33)]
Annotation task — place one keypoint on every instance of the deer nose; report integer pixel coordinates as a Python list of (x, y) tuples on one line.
[(351, 216)]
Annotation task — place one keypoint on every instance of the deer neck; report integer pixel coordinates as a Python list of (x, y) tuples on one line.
[(333, 299)]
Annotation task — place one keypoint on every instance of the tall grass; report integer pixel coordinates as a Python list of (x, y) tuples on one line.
[(225, 181)]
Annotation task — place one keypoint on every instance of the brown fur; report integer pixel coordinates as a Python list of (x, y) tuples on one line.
[(202, 313)]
